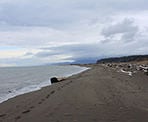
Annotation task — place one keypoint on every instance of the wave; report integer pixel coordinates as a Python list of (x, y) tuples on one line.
[(35, 87)]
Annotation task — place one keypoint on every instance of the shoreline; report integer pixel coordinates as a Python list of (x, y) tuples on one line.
[(32, 88), (98, 94)]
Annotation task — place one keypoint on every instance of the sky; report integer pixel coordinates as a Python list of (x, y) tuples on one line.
[(38, 32)]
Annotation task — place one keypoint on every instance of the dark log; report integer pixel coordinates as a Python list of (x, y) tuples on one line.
[(54, 80)]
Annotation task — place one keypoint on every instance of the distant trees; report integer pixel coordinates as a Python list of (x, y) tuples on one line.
[(124, 59)]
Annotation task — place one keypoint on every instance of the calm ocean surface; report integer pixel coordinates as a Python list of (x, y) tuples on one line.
[(19, 80)]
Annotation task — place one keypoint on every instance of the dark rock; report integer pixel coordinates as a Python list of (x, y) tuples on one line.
[(54, 80)]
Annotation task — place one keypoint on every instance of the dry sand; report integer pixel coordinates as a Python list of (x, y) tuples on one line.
[(100, 94)]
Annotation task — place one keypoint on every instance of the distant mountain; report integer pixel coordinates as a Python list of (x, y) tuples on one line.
[(77, 61), (85, 61), (124, 59), (80, 61)]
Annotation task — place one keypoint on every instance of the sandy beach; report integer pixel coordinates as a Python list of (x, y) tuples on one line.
[(100, 94)]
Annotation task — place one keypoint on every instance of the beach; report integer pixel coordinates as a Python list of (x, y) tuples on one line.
[(100, 94)]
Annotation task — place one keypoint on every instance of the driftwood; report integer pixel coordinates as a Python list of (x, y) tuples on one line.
[(56, 80)]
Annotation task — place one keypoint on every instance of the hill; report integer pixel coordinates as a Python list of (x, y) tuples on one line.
[(134, 58)]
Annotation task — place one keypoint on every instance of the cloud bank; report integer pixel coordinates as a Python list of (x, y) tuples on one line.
[(51, 31)]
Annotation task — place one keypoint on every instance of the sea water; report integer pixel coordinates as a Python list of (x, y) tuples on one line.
[(19, 80)]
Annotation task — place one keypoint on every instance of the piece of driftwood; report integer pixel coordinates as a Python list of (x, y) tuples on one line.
[(56, 80)]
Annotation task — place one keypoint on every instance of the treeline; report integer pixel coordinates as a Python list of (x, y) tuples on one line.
[(124, 59)]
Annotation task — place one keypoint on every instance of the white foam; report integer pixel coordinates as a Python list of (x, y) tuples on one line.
[(31, 88), (24, 90)]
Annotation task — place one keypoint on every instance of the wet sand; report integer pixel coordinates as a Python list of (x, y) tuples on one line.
[(100, 94)]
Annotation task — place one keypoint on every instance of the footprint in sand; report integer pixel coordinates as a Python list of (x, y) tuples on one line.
[(39, 102), (48, 96), (32, 107), (26, 111), (67, 114), (18, 117), (2, 115), (59, 88), (52, 92), (42, 100)]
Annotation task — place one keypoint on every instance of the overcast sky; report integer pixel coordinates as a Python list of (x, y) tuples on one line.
[(35, 32)]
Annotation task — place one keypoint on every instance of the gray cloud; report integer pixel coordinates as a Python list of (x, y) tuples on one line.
[(62, 13), (125, 28), (69, 30), (75, 52), (79, 52), (44, 54), (93, 51)]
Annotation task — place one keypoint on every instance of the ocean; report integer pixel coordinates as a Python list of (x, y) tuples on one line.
[(15, 81)]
